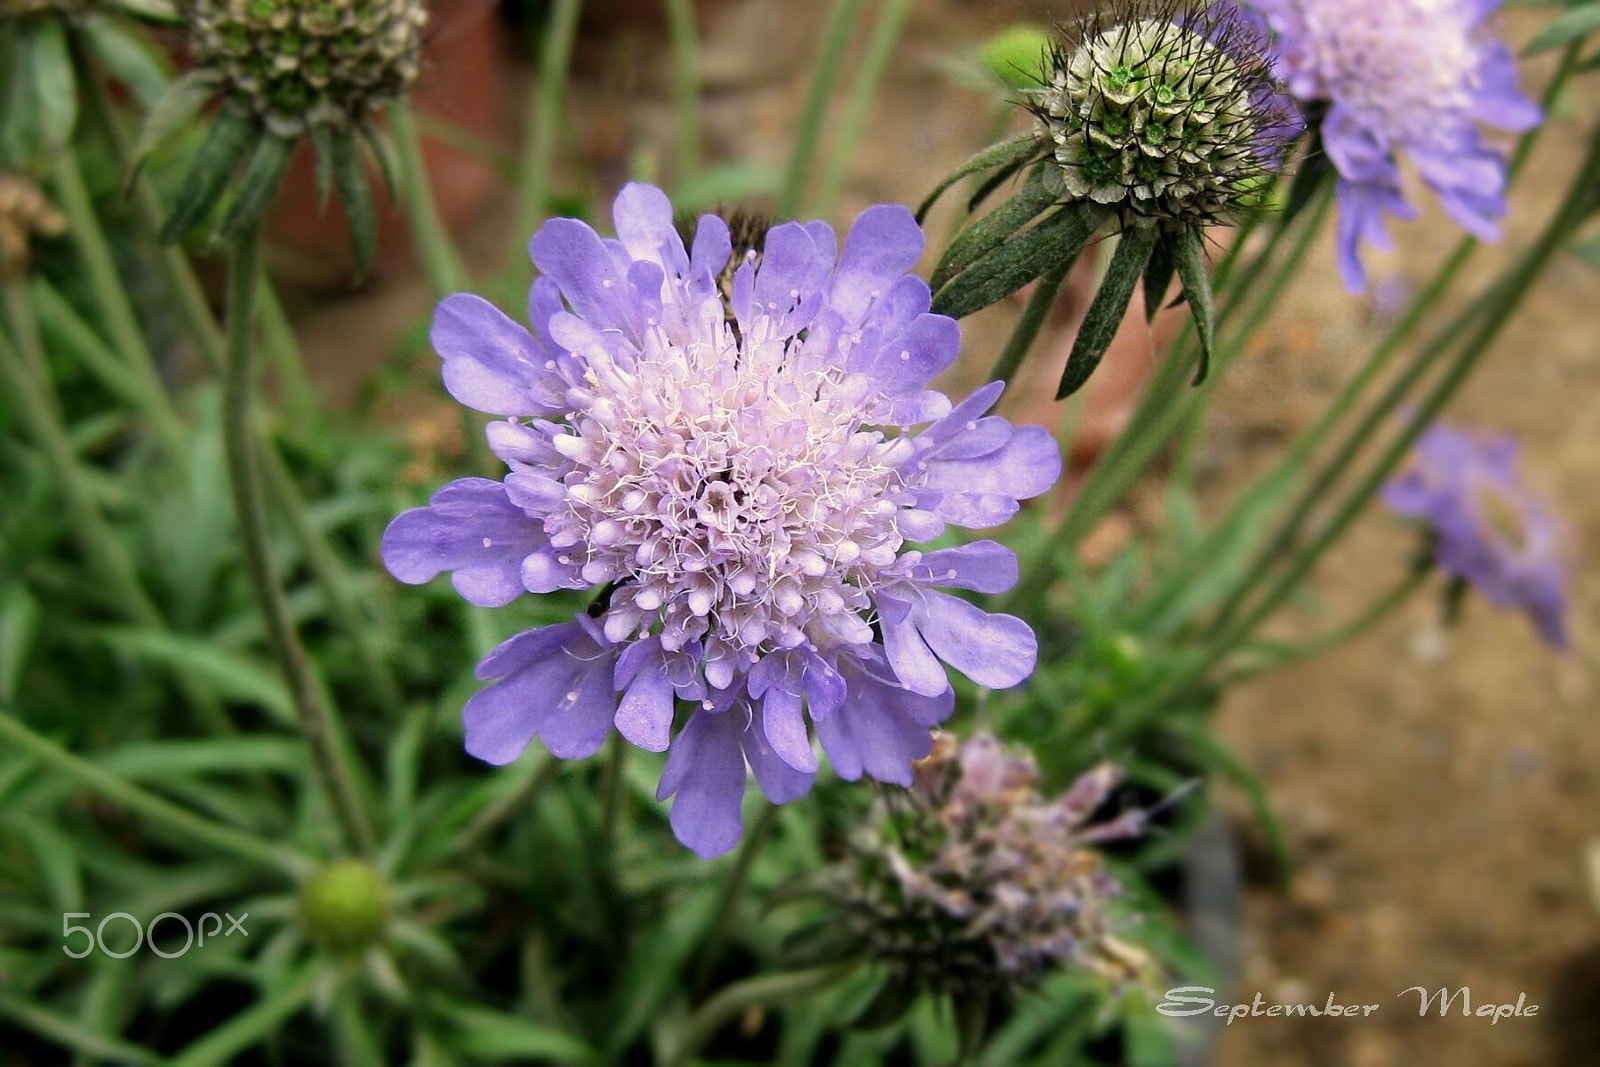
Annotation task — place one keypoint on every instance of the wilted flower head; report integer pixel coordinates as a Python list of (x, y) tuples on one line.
[(1161, 114), (24, 215), (1403, 78), (735, 476), (302, 62), (976, 883), (1488, 529)]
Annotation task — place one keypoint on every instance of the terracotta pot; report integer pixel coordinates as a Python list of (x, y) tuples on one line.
[(463, 82)]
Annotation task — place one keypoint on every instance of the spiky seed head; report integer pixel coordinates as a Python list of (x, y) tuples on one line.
[(973, 883), (301, 62), (24, 215), (345, 905), (1161, 114)]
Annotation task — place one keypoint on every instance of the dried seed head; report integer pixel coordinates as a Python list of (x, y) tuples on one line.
[(1161, 114), (24, 215), (977, 884), (301, 62)]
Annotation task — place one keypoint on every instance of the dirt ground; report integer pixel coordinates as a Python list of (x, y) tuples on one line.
[(1439, 787)]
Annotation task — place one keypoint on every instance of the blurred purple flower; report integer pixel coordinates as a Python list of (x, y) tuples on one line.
[(1488, 529), (732, 467), (1410, 78)]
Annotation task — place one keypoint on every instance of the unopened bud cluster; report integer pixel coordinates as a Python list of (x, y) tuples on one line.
[(301, 62), (1159, 118), (975, 883)]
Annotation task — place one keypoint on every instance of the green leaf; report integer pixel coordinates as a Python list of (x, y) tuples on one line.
[(988, 233), (255, 1024), (73, 1035), (482, 1034), (1570, 26), (1056, 240), (57, 859), (172, 111), (42, 100), (262, 177), (1109, 306), (382, 151), (1012, 150), (19, 627), (1158, 276), (232, 132), (229, 673), (129, 58), (351, 179), (1191, 257)]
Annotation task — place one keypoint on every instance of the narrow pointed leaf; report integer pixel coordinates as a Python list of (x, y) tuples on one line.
[(1106, 311), (1015, 263), (1158, 276), (351, 179), (991, 231), (1011, 150), (231, 135), (1571, 26), (129, 58), (382, 150), (46, 110), (1191, 258), (262, 177), (175, 108), (322, 154), (996, 179)]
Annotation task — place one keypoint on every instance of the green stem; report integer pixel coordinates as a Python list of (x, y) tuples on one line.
[(72, 1034), (733, 888), (316, 718), (440, 260), (734, 1000), (685, 90), (222, 1044), (1040, 302), (1506, 295), (1375, 613), (24, 327), (181, 821), (544, 118), (835, 39), (62, 326), (288, 364), (863, 89)]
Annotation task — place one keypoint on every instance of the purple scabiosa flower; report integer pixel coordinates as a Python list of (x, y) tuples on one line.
[(1408, 79), (977, 884), (1488, 530), (727, 456)]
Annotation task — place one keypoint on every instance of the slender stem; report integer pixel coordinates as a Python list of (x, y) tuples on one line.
[(544, 117), (538, 773), (616, 795), (1040, 302), (111, 300), (62, 326), (863, 89), (316, 718), (72, 1034), (440, 260), (733, 888), (1505, 298), (181, 821), (685, 90), (23, 325), (735, 999), (835, 39), (1375, 613)]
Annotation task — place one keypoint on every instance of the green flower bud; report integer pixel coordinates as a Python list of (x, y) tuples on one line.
[(1164, 118), (1019, 55), (302, 62), (345, 906)]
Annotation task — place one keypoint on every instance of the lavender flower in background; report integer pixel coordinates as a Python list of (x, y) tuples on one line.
[(1488, 530), (977, 884), (730, 464), (1405, 79)]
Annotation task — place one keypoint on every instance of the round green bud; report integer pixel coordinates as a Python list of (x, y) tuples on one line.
[(345, 905), (300, 62), (1019, 55)]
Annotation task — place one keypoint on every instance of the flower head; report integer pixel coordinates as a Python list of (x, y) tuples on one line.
[(1161, 114), (1488, 530), (310, 61), (977, 883), (1400, 79), (733, 472)]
